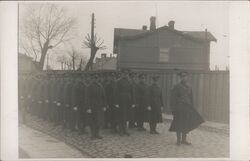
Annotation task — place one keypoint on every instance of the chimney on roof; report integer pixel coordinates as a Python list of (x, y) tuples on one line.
[(171, 25), (144, 27), (205, 34), (152, 23)]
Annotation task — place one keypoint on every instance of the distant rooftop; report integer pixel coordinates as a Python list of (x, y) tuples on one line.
[(123, 33)]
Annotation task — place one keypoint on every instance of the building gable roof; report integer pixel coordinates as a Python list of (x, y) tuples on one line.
[(130, 34)]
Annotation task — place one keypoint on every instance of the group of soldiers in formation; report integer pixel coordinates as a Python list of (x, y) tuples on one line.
[(109, 100), (115, 101)]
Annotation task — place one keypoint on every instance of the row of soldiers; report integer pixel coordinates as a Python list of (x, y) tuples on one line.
[(115, 101)]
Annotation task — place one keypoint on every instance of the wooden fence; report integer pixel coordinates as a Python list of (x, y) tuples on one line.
[(210, 89)]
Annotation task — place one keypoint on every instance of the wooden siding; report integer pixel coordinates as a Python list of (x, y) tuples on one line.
[(210, 89), (144, 52)]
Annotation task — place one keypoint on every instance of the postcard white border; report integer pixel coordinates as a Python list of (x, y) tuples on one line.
[(239, 83)]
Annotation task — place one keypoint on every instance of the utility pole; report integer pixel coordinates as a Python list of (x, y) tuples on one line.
[(92, 37)]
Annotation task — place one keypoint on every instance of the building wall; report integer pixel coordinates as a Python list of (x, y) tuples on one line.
[(147, 52), (105, 64), (25, 65)]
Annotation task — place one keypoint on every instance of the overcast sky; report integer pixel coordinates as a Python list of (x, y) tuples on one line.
[(188, 16)]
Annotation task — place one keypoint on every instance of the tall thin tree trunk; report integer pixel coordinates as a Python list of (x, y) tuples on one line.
[(89, 65), (44, 51), (73, 62), (42, 60)]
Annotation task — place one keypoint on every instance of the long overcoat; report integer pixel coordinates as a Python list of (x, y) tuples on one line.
[(123, 98), (59, 98), (78, 100), (39, 97), (142, 100), (68, 101), (132, 110), (32, 92), (22, 89), (186, 118), (45, 108), (95, 100), (110, 100), (156, 102)]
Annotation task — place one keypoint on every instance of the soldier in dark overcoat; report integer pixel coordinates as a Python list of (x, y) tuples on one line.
[(81, 114), (46, 108), (142, 100), (39, 96), (110, 112), (132, 111), (32, 94), (156, 104), (95, 106), (68, 103), (29, 84), (22, 87), (123, 98), (51, 98), (77, 102), (186, 118), (59, 101), (57, 104)]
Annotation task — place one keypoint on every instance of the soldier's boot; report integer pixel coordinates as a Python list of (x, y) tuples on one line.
[(82, 130), (178, 134), (153, 128), (94, 132), (140, 126), (97, 135), (184, 139), (131, 124), (124, 129)]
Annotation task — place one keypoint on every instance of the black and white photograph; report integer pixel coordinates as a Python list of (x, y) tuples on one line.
[(124, 79)]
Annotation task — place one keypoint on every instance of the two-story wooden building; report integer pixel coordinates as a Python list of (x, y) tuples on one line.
[(162, 48)]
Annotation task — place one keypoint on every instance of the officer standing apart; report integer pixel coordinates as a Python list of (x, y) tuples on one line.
[(186, 118)]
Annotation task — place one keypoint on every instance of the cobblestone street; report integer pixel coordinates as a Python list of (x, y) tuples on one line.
[(35, 144), (205, 143)]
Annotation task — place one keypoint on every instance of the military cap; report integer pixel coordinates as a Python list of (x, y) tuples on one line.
[(125, 70), (132, 74), (142, 75), (155, 77), (94, 75), (182, 73), (112, 74)]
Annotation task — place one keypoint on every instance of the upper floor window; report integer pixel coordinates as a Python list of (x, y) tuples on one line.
[(164, 54)]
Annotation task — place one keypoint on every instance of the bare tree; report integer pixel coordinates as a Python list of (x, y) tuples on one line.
[(77, 58), (74, 56), (94, 43), (62, 59), (83, 62), (45, 27)]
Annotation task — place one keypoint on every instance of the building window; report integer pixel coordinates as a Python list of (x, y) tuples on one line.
[(164, 55)]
